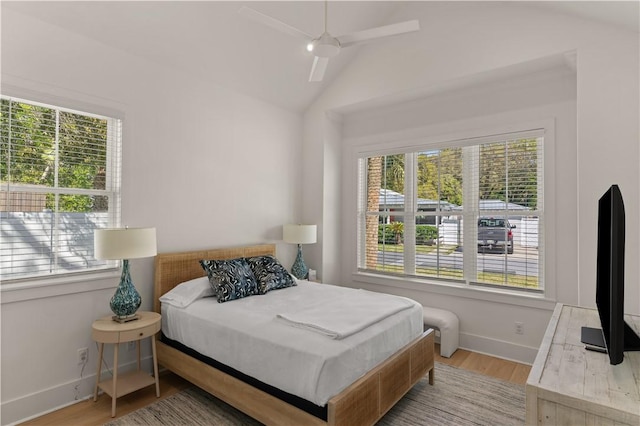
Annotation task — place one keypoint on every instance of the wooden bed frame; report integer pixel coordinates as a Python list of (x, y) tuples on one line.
[(364, 402)]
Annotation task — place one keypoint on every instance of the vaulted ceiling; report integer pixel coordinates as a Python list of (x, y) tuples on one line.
[(211, 40)]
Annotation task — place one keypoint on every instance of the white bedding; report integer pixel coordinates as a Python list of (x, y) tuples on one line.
[(341, 317), (246, 335)]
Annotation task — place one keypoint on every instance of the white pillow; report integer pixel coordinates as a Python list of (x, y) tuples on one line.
[(188, 292)]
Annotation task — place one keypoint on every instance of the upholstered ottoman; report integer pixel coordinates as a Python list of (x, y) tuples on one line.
[(448, 325)]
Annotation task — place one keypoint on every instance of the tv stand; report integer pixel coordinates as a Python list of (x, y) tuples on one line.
[(573, 386)]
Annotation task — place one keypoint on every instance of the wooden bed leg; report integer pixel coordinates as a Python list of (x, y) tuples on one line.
[(431, 376)]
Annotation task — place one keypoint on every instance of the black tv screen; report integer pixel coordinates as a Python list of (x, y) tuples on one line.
[(616, 336)]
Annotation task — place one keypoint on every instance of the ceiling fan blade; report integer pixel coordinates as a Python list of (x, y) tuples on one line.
[(318, 68), (378, 32), (253, 14)]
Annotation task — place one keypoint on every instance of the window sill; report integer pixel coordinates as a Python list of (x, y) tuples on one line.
[(516, 298), (58, 286)]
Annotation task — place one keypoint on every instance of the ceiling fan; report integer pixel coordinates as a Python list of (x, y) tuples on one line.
[(325, 46)]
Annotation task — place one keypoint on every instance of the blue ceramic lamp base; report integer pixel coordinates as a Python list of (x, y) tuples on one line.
[(299, 269), (126, 300)]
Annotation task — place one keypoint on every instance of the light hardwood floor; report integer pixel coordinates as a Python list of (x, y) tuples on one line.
[(91, 413), (509, 371)]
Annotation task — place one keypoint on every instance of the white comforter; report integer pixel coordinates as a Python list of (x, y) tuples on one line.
[(247, 335)]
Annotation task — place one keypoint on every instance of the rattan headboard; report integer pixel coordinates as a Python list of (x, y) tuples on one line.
[(172, 269)]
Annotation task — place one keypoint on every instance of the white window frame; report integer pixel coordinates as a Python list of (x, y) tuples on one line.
[(416, 139), (37, 286)]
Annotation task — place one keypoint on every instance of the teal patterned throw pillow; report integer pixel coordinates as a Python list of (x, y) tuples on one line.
[(270, 273), (230, 279)]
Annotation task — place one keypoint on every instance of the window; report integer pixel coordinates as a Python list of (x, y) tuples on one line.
[(414, 209), (59, 181)]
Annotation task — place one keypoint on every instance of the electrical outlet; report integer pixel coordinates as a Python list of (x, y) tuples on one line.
[(83, 356), (519, 327)]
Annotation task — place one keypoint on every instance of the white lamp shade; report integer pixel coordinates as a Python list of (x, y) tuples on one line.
[(299, 234), (124, 243)]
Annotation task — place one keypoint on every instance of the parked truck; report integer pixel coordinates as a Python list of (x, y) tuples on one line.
[(494, 234)]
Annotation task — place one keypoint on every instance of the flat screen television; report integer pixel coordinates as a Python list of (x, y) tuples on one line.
[(616, 336)]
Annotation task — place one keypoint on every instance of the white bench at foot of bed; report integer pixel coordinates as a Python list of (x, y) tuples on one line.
[(449, 326)]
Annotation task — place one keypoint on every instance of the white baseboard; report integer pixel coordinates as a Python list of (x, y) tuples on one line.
[(498, 348), (42, 402)]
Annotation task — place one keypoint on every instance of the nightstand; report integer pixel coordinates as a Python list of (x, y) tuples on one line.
[(105, 330)]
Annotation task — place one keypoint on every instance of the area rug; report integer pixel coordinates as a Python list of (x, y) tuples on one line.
[(459, 397)]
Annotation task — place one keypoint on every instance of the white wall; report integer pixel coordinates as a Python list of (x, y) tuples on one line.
[(537, 96), (466, 41), (206, 166)]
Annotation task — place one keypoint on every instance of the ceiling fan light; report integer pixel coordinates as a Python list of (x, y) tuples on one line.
[(326, 46)]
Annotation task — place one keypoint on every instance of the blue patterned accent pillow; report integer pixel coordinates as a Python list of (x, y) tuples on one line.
[(270, 273), (230, 279)]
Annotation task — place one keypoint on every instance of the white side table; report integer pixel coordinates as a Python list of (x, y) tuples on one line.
[(105, 330)]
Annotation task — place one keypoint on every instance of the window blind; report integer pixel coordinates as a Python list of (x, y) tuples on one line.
[(413, 207), (59, 181)]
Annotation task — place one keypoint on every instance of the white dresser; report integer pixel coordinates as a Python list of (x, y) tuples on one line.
[(569, 385)]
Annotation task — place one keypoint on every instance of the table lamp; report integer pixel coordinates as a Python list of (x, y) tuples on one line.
[(124, 244), (299, 234)]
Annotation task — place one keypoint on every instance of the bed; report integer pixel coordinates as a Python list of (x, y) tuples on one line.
[(362, 402)]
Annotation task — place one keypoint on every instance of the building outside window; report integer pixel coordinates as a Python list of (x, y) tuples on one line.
[(59, 181), (415, 207)]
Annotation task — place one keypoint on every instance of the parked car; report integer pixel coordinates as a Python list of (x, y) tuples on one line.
[(494, 234)]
